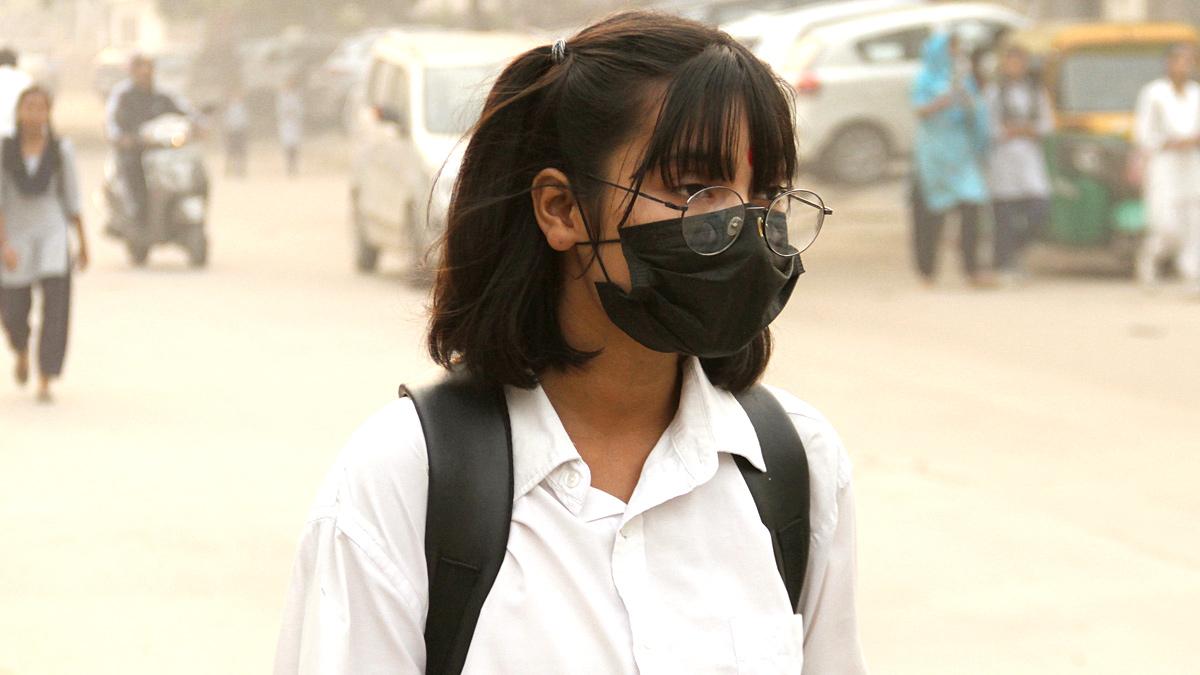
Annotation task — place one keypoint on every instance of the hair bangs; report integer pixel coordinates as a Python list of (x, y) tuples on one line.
[(698, 129)]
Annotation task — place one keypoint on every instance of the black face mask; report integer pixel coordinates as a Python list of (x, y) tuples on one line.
[(708, 306)]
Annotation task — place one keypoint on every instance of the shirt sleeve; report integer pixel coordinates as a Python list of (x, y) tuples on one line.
[(69, 177), (828, 602), (345, 612), (357, 600), (831, 640), (1145, 128)]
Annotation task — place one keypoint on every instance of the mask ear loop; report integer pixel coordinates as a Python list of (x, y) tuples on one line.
[(594, 243)]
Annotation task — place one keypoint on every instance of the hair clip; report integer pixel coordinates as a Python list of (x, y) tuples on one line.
[(558, 51)]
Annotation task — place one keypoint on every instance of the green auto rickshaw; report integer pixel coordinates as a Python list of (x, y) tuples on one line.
[(1093, 73)]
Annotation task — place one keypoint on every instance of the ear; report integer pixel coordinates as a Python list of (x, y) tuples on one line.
[(556, 210)]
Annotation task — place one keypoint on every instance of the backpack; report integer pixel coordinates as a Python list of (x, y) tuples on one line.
[(469, 443)]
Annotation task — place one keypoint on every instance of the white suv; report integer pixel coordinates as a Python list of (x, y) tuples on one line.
[(852, 77), (423, 92)]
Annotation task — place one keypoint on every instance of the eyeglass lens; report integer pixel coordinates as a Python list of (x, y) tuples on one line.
[(716, 215)]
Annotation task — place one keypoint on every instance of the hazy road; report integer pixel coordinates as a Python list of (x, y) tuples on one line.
[(1026, 460)]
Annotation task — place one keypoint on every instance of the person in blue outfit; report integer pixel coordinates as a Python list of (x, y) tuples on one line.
[(951, 142)]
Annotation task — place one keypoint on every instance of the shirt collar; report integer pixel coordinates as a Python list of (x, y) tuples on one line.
[(709, 421)]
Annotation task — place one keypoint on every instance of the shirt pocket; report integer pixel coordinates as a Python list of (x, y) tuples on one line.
[(768, 644)]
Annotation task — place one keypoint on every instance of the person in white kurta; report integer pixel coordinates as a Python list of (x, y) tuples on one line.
[(1167, 131)]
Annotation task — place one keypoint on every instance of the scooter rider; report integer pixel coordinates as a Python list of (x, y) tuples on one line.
[(132, 103)]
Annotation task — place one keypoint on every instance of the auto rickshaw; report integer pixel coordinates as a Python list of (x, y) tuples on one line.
[(1093, 73)]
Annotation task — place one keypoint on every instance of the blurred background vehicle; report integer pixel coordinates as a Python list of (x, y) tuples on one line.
[(852, 74), (266, 63), (176, 193), (327, 96), (1093, 73), (419, 99)]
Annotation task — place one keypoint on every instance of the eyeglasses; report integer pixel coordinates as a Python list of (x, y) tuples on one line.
[(712, 218)]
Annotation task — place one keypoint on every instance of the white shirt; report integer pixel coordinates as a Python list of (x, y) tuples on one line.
[(12, 83), (1017, 166), (1172, 177), (682, 579)]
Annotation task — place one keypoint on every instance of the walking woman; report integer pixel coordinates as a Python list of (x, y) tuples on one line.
[(952, 137), (623, 230), (1021, 118), (39, 201)]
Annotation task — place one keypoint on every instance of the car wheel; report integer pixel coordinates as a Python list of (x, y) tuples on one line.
[(366, 256), (857, 155)]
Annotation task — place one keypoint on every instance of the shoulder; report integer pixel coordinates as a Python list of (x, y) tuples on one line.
[(386, 452), (829, 468), (1155, 87), (374, 496)]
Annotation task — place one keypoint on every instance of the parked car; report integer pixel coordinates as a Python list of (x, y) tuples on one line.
[(1094, 73), (852, 78), (418, 101), (772, 33), (331, 82)]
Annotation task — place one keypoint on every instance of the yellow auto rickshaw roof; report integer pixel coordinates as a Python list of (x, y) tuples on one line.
[(1117, 34), (1043, 38)]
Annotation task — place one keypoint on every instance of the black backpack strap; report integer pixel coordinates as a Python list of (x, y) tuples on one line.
[(469, 509), (781, 494)]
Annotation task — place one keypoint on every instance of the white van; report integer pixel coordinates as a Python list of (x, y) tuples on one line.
[(423, 92), (852, 75)]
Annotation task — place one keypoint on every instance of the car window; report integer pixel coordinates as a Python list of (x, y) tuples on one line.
[(1107, 79), (454, 96), (976, 34), (893, 47)]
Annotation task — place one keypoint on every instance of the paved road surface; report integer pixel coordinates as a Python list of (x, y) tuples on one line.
[(1026, 460)]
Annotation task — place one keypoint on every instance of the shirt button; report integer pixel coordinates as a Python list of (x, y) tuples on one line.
[(572, 479)]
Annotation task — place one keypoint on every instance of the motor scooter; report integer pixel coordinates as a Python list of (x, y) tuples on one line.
[(176, 192)]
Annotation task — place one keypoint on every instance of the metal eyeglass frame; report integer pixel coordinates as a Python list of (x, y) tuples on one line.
[(820, 206)]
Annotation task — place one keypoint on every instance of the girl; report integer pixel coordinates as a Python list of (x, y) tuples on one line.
[(39, 195), (618, 241), (1021, 118)]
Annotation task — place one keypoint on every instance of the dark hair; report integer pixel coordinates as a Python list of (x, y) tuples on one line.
[(496, 294), (8, 57), (10, 154), (1179, 49)]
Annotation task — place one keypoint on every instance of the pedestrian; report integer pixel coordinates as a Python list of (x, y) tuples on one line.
[(12, 83), (39, 196), (1167, 132), (236, 120), (289, 113), (1020, 188), (952, 136), (617, 245)]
